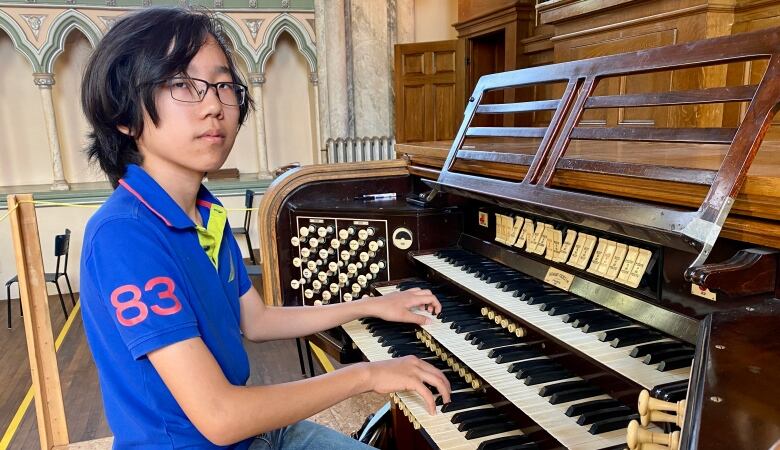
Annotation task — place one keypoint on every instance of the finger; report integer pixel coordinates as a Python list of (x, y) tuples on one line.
[(419, 319), (440, 384), (427, 397), (431, 369)]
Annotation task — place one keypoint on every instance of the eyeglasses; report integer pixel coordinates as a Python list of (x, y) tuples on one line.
[(194, 90)]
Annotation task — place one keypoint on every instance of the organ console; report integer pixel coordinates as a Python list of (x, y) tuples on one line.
[(596, 291)]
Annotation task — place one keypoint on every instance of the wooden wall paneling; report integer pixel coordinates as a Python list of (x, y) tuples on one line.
[(49, 407)]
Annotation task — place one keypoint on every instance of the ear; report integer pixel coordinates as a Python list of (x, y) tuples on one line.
[(124, 130)]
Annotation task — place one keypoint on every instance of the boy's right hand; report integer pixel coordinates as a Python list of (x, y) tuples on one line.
[(408, 374)]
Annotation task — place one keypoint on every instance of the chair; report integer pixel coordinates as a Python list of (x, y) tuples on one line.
[(61, 247), (249, 198)]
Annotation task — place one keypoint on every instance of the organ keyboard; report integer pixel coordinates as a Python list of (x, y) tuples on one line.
[(566, 309)]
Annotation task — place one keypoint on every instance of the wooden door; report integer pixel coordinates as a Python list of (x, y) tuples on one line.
[(428, 91)]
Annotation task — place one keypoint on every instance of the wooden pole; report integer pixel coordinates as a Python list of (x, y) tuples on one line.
[(49, 407)]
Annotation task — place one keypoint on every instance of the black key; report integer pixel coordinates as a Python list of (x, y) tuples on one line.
[(476, 326), (474, 422), (541, 362), (615, 423), (474, 336), (593, 405), (521, 442), (496, 352), (546, 377), (642, 350), (493, 343), (387, 341), (465, 415), (551, 389), (550, 304), (461, 396), (595, 416), (501, 276), (607, 324), (517, 356), (657, 357), (592, 314), (677, 362), (436, 362), (525, 373), (548, 298), (634, 340), (575, 394), (568, 309), (490, 429), (610, 335), (463, 404)]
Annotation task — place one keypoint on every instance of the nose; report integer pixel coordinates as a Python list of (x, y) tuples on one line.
[(211, 104)]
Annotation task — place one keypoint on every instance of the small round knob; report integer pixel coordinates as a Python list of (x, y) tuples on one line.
[(343, 278), (347, 297), (343, 234), (333, 267), (334, 288), (295, 241), (308, 293), (373, 268), (306, 273), (297, 262), (352, 268), (335, 243), (322, 232), (311, 265), (353, 245), (373, 246), (363, 257), (381, 264), (295, 284), (316, 284), (345, 255), (356, 288), (362, 234), (305, 252), (371, 231), (304, 231), (326, 297), (322, 276)]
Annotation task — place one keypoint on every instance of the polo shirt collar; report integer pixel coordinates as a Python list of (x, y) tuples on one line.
[(142, 186)]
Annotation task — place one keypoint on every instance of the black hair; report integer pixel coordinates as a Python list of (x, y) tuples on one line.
[(143, 47)]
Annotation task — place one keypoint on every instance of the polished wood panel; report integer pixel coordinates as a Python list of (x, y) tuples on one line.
[(426, 87), (274, 199)]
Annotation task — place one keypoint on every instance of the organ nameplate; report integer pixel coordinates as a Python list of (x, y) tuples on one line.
[(596, 262), (628, 264), (559, 278), (617, 261), (703, 292), (640, 266), (566, 247)]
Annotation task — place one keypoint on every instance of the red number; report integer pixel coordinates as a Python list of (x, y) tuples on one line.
[(167, 293), (133, 303)]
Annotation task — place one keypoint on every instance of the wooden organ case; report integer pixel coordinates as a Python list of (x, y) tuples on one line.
[(597, 291)]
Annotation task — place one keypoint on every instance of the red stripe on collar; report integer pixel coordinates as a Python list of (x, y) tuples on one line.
[(141, 199)]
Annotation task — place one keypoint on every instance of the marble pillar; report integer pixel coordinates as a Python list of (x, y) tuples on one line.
[(321, 89), (332, 68), (319, 153), (257, 80), (370, 68), (45, 81)]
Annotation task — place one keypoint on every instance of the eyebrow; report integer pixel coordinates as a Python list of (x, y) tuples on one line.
[(219, 70)]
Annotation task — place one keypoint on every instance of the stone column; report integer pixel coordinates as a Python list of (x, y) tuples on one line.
[(45, 81), (321, 90), (257, 80), (332, 69), (319, 158)]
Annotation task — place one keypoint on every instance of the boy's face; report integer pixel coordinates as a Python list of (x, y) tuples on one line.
[(194, 137)]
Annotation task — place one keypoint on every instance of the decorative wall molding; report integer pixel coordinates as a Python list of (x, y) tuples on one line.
[(254, 26), (290, 24), (34, 22)]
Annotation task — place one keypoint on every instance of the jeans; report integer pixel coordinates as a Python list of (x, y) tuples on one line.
[(306, 435)]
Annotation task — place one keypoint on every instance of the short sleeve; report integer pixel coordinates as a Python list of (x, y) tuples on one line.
[(244, 283), (141, 286)]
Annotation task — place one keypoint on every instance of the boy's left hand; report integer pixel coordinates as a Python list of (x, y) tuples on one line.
[(395, 307)]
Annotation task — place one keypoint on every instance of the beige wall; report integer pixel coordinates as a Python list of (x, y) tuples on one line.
[(23, 145), (433, 20), (71, 123), (288, 116)]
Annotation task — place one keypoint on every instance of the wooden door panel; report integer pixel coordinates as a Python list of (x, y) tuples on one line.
[(426, 107)]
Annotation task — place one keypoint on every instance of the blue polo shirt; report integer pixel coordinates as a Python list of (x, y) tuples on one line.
[(146, 283)]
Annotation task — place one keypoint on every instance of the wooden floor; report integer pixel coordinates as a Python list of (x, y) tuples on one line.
[(272, 362)]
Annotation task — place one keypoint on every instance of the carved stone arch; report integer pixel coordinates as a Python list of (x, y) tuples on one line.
[(240, 43), (60, 28), (287, 23), (19, 39)]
